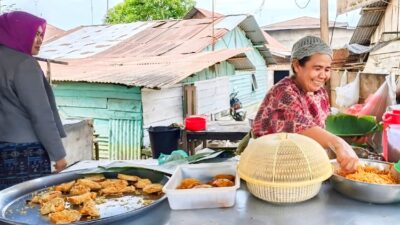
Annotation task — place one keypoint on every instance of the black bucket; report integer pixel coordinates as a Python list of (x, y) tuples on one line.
[(164, 139)]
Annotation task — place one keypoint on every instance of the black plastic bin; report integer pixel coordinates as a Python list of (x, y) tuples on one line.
[(164, 139)]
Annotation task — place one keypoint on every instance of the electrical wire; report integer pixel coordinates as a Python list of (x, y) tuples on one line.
[(333, 29), (302, 7)]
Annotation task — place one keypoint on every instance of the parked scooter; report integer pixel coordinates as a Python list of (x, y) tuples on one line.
[(236, 110)]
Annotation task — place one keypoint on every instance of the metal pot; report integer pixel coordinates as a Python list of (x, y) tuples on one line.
[(373, 193)]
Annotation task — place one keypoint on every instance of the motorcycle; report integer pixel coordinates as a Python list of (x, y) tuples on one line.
[(236, 110)]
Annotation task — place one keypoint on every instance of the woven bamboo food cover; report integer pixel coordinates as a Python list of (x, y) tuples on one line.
[(284, 168)]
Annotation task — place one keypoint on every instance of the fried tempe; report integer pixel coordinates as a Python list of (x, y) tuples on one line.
[(116, 191), (54, 205), (128, 177), (152, 188), (94, 186), (141, 183), (65, 217), (222, 183), (40, 199), (79, 199), (79, 189), (188, 183), (114, 183), (64, 187), (89, 209)]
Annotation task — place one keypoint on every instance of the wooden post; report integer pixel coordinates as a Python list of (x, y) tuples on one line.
[(324, 21)]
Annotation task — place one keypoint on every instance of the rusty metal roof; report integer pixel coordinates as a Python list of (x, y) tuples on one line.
[(304, 22), (150, 72), (52, 33), (369, 21)]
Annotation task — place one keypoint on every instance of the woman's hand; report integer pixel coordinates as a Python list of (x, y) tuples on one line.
[(346, 157), (60, 165)]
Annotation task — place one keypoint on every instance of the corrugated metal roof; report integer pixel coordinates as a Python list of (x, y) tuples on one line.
[(304, 22), (52, 33), (91, 40), (151, 72), (368, 23), (198, 13)]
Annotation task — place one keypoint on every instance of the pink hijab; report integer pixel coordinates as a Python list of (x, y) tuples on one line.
[(18, 30)]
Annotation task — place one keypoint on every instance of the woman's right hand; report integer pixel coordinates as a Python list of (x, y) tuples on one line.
[(346, 157), (60, 165)]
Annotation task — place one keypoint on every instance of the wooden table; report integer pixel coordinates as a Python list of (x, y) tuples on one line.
[(216, 130)]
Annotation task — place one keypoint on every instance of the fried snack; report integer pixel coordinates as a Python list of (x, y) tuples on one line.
[(89, 209), (370, 174), (128, 177), (152, 188), (222, 183), (114, 183), (116, 191), (79, 199), (54, 205), (188, 183), (64, 187), (96, 178), (224, 176), (203, 186), (65, 217), (94, 186), (49, 196), (79, 189), (142, 183)]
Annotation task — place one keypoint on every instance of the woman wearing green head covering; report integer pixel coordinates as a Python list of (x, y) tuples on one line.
[(300, 104)]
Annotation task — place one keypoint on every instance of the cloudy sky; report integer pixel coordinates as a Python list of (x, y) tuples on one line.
[(67, 14)]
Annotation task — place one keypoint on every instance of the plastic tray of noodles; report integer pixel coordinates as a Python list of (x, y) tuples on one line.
[(15, 210), (367, 192)]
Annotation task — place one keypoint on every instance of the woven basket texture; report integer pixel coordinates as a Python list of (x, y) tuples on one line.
[(284, 168)]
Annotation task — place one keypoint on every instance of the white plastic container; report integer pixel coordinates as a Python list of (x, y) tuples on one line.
[(198, 198)]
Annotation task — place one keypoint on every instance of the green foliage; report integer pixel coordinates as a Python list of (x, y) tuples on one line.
[(143, 10)]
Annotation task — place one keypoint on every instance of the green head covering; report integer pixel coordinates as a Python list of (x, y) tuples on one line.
[(308, 46)]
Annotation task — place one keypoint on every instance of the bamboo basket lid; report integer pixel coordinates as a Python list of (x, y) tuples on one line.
[(284, 165)]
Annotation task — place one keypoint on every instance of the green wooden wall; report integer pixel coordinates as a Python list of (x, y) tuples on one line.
[(116, 111)]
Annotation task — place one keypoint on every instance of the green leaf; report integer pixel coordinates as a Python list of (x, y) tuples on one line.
[(350, 125)]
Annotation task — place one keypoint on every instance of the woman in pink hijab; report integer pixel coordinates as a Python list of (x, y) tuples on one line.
[(30, 126)]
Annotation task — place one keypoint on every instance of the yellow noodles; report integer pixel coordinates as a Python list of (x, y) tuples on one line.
[(370, 174)]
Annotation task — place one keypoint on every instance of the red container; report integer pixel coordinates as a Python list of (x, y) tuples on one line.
[(195, 123), (390, 118)]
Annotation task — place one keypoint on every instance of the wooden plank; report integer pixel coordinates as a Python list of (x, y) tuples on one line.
[(77, 112), (96, 94), (124, 105), (88, 102), (95, 87)]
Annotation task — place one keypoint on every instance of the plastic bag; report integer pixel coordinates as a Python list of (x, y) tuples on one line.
[(348, 94), (177, 156)]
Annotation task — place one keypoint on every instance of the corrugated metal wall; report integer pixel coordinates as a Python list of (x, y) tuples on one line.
[(116, 111), (125, 139)]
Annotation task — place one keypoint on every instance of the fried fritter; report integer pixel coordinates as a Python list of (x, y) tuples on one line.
[(222, 183), (64, 187), (54, 205), (128, 177), (89, 209), (188, 183), (94, 186), (79, 199), (116, 191), (65, 217), (203, 186), (48, 196), (224, 176), (142, 183), (114, 183), (79, 189), (96, 178), (152, 188)]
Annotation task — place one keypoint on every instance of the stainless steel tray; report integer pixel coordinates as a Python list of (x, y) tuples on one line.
[(14, 210), (373, 193)]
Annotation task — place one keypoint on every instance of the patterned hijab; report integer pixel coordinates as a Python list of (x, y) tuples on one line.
[(18, 30)]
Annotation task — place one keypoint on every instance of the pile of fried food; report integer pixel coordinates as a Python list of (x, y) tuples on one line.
[(68, 202), (370, 174), (221, 180)]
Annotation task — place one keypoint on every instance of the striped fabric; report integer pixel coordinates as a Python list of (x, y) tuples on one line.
[(21, 162)]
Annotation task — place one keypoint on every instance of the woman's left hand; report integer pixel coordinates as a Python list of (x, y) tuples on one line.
[(60, 165)]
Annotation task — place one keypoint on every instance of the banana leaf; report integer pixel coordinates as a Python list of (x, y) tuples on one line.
[(346, 125)]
